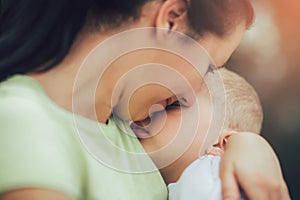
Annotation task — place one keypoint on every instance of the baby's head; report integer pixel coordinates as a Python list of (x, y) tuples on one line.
[(243, 112), (243, 108)]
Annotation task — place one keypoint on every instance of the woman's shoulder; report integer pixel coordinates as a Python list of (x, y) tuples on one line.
[(40, 149), (23, 102), (26, 115)]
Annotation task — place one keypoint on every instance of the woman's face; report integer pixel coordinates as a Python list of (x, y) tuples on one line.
[(182, 85), (164, 127)]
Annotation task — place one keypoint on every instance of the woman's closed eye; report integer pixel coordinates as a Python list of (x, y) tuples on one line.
[(176, 104)]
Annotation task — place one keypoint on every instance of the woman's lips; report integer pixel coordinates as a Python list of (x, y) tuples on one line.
[(139, 131)]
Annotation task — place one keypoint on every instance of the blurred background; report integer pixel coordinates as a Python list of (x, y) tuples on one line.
[(269, 58)]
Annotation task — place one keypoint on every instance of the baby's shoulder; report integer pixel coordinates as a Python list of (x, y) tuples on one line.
[(200, 180)]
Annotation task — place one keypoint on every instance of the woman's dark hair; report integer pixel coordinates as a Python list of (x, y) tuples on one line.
[(36, 35)]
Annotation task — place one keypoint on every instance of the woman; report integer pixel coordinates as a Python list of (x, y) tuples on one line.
[(47, 41)]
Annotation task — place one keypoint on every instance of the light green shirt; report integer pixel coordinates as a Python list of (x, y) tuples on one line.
[(41, 146)]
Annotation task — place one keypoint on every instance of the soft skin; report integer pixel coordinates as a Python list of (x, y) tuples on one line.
[(171, 14)]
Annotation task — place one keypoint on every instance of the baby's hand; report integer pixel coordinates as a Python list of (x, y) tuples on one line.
[(250, 162)]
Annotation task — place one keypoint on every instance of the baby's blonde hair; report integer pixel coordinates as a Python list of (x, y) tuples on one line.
[(235, 105), (243, 110)]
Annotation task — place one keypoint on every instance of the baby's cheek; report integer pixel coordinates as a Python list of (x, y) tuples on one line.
[(151, 144), (145, 145), (158, 141)]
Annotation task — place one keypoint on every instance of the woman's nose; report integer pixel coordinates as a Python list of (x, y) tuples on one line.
[(142, 123)]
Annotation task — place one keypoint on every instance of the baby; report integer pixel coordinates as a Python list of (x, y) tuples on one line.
[(194, 174)]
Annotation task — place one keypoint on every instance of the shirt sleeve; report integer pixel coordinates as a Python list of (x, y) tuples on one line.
[(35, 151)]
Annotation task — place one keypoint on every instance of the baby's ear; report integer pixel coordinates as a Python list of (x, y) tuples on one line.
[(224, 138), (220, 146), (215, 151)]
